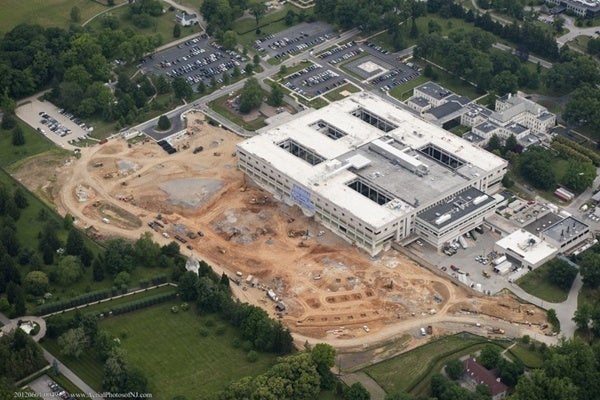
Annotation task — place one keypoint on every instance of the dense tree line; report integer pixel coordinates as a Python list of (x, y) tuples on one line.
[(298, 376), (212, 294), (582, 107), (470, 55), (571, 71), (20, 356), (220, 14)]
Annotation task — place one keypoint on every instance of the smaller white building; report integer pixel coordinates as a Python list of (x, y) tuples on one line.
[(567, 235), (526, 248)]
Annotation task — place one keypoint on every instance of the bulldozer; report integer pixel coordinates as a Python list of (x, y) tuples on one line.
[(297, 232)]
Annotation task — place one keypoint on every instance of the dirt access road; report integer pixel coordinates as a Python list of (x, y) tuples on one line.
[(332, 291)]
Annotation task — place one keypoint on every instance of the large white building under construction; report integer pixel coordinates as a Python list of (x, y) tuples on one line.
[(374, 173)]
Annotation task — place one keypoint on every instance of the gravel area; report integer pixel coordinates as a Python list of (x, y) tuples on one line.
[(191, 193)]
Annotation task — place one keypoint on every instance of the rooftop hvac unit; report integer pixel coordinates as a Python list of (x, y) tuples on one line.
[(442, 219), (480, 199)]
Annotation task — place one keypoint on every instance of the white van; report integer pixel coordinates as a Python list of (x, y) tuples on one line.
[(423, 332)]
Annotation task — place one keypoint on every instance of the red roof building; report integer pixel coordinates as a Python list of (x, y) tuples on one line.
[(482, 376)]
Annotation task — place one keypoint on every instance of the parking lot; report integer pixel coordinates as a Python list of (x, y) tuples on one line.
[(469, 265), (47, 388), (313, 80), (198, 59), (368, 61), (293, 40), (47, 119)]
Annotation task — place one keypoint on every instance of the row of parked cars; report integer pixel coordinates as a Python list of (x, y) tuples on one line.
[(376, 47), (75, 120), (396, 81), (319, 78), (59, 392), (302, 46), (53, 125)]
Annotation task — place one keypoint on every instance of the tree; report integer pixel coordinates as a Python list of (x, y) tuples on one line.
[(504, 82), (188, 286), (590, 269), (181, 88), (164, 123), (276, 96), (249, 69), (74, 244), (69, 270), (561, 273), (357, 392), (161, 84), (75, 14), (454, 369), (290, 17), (122, 279), (8, 121), (258, 10), (18, 139), (36, 283), (582, 316), (251, 95), (176, 31), (579, 175), (537, 385), (230, 40), (114, 373), (256, 60), (73, 342), (98, 269), (489, 356)]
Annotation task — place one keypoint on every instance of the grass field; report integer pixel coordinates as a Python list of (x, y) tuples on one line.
[(403, 91), (536, 283), (35, 143), (45, 12), (335, 95), (530, 358), (411, 371), (163, 25), (175, 358)]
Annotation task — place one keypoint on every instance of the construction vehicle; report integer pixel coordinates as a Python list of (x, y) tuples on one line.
[(233, 234), (297, 232), (98, 165), (182, 240), (498, 331), (217, 153), (261, 200), (429, 330), (191, 235), (221, 250), (303, 244), (198, 149)]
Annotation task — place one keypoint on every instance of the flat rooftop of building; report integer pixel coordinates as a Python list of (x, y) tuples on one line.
[(517, 129), (331, 176), (529, 247), (455, 208), (487, 127), (420, 101), (542, 223), (475, 109), (434, 90), (445, 109), (473, 137), (566, 229)]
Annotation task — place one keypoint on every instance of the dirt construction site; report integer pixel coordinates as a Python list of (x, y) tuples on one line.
[(326, 289)]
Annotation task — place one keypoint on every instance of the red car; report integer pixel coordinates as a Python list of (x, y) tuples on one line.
[(454, 268)]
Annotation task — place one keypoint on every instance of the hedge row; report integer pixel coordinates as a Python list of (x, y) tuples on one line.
[(74, 302), (143, 303), (160, 279), (570, 153), (589, 152)]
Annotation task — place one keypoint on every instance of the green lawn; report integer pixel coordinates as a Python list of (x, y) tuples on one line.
[(35, 143), (163, 25), (403, 91), (536, 283), (411, 371), (45, 12), (530, 358), (175, 358), (335, 95)]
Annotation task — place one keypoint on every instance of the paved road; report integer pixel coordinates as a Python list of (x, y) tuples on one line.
[(531, 59), (70, 375), (575, 31), (376, 391)]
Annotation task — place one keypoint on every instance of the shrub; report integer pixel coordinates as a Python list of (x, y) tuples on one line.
[(236, 343), (185, 307), (203, 332), (174, 309), (209, 323), (526, 339), (247, 345), (221, 329), (252, 356)]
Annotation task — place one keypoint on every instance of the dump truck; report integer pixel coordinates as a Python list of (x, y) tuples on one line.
[(498, 331)]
